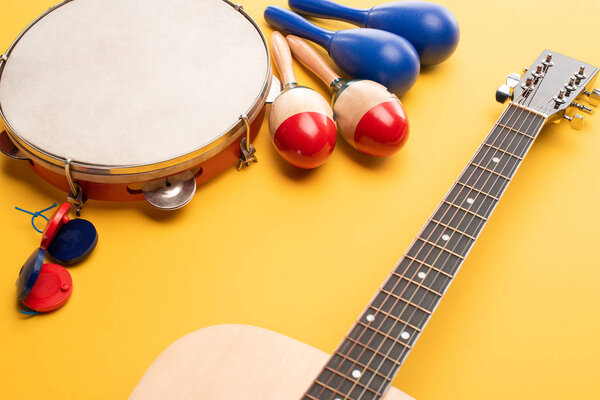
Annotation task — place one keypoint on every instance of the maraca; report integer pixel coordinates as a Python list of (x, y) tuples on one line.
[(360, 52), (301, 121), (431, 28), (369, 117)]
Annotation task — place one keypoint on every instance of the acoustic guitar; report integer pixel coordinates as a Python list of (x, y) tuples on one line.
[(240, 362)]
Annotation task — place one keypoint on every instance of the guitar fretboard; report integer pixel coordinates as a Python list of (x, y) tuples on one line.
[(368, 359)]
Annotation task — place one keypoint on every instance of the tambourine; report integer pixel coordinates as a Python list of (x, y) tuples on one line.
[(115, 100)]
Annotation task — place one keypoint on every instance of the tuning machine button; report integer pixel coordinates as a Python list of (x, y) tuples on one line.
[(588, 110), (593, 96), (505, 92), (576, 121)]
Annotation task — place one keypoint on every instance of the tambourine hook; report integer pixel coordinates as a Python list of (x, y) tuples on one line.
[(75, 196), (248, 151)]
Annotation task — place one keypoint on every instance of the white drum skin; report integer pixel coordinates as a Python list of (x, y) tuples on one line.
[(134, 90)]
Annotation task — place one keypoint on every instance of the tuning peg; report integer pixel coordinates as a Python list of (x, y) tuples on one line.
[(593, 96), (505, 92), (588, 110), (513, 79), (576, 121)]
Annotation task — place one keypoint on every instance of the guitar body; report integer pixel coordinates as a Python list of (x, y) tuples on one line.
[(234, 362)]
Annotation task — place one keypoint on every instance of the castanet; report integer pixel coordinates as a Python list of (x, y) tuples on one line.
[(361, 53), (301, 121), (431, 28), (369, 117)]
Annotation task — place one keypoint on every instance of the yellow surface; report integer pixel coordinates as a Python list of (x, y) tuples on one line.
[(301, 253)]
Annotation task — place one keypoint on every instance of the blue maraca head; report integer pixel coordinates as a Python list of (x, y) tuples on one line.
[(431, 28), (376, 55)]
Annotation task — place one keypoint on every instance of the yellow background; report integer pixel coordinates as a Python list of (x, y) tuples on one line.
[(301, 253)]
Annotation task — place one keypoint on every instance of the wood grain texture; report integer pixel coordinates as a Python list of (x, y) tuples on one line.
[(296, 100), (234, 362), (283, 58), (355, 101), (309, 57)]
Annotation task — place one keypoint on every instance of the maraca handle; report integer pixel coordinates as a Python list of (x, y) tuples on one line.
[(329, 9), (309, 57), (283, 58), (293, 23)]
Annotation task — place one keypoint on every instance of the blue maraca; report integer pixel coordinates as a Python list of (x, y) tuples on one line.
[(361, 53), (430, 27)]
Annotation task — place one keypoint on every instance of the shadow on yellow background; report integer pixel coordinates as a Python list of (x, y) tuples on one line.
[(301, 253)]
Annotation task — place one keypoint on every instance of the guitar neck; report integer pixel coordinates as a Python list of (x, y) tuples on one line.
[(368, 359)]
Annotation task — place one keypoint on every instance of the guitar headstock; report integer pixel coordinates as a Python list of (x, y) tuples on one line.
[(552, 85)]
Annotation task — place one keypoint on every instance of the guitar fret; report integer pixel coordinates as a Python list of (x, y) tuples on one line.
[(428, 276), (406, 301), (430, 266), (371, 354), (515, 130), (503, 151), (491, 171), (453, 229), (442, 247), (363, 366), (377, 311), (350, 381), (417, 283), (325, 390), (476, 190), (464, 209), (350, 387), (481, 179), (386, 363), (321, 389)]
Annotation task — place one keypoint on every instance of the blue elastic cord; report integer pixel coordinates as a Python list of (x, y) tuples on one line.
[(37, 214), (28, 312)]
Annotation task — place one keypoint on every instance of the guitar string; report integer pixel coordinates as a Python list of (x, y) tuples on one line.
[(379, 326), (471, 218), (521, 111), (516, 166), (405, 350), (538, 128), (357, 340)]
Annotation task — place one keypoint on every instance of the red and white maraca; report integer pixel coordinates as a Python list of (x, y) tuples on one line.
[(368, 116), (301, 121)]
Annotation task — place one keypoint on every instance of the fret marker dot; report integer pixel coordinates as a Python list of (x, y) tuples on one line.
[(356, 374), (421, 275), (470, 200), (370, 317), (496, 159), (405, 335), (445, 238)]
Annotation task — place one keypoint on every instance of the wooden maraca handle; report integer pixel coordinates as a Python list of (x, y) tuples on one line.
[(283, 58), (308, 56)]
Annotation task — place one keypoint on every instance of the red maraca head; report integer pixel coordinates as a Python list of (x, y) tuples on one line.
[(371, 119), (302, 127)]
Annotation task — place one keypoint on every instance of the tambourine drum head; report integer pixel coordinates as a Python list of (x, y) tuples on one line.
[(132, 82)]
